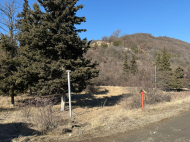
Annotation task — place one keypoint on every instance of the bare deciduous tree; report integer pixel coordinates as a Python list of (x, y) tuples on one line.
[(105, 38), (8, 14), (117, 33)]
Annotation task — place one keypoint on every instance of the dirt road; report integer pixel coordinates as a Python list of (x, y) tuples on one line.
[(171, 130)]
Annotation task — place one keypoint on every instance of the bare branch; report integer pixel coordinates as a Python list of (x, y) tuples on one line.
[(3, 29), (8, 13), (117, 33)]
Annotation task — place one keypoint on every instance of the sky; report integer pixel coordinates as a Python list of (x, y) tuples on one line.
[(169, 18)]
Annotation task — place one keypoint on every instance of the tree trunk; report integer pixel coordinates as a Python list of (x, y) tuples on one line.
[(12, 101), (30, 92), (63, 100)]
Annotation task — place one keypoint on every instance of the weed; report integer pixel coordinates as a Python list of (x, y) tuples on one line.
[(45, 119), (44, 115)]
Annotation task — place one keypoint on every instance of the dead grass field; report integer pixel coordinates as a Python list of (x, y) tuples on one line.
[(94, 115)]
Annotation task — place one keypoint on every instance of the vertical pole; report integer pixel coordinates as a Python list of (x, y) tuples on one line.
[(142, 100), (69, 92), (155, 77)]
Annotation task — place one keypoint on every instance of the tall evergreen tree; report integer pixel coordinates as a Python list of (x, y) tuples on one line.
[(28, 21), (158, 60), (51, 46), (9, 81), (165, 61), (177, 79), (126, 67), (164, 69), (133, 65)]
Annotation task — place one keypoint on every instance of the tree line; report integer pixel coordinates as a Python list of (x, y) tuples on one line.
[(46, 45), (165, 77)]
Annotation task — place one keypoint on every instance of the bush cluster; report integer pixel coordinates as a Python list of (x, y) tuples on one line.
[(117, 43), (153, 96), (44, 114)]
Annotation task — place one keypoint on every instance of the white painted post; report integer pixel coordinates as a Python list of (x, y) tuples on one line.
[(69, 92)]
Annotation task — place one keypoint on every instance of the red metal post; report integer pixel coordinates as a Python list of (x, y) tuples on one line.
[(142, 99)]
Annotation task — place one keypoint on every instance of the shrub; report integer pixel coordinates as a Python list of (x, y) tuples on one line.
[(91, 89), (105, 38), (40, 101), (45, 119), (44, 115), (95, 46), (153, 96), (134, 49), (104, 45), (117, 43), (112, 38)]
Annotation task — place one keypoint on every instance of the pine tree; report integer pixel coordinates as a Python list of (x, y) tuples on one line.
[(126, 67), (165, 61), (133, 65), (164, 69), (9, 81), (53, 46), (28, 20), (177, 79), (24, 19)]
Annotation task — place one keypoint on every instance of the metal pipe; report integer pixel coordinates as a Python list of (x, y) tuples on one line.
[(69, 92)]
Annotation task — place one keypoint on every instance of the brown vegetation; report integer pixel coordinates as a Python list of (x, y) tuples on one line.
[(145, 48), (107, 111), (100, 110)]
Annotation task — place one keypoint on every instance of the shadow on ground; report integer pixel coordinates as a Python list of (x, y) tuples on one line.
[(80, 100), (99, 98), (10, 131), (88, 100), (6, 109)]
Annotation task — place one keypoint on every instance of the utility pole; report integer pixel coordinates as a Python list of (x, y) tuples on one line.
[(69, 92), (155, 77)]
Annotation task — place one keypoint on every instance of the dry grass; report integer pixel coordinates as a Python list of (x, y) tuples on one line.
[(93, 121)]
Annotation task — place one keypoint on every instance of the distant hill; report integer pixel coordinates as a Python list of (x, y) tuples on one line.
[(111, 59)]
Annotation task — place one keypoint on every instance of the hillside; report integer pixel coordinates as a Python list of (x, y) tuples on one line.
[(152, 44), (111, 58)]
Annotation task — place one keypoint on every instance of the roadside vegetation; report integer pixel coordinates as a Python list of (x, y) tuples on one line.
[(107, 77), (108, 111)]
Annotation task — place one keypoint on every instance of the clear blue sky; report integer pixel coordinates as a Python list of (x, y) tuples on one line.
[(158, 17)]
